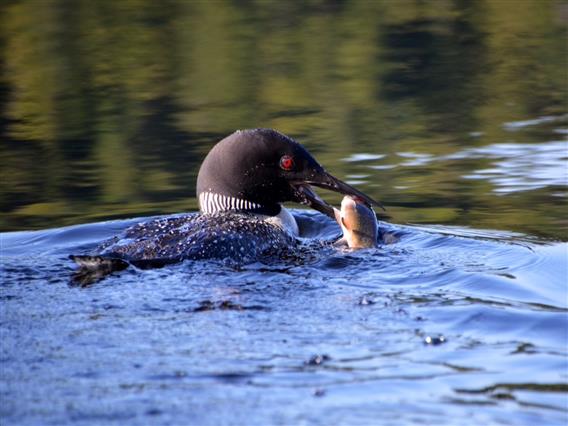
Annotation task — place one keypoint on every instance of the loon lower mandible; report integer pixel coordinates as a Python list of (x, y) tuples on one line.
[(241, 186)]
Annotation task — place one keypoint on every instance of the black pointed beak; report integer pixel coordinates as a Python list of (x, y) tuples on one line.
[(306, 195)]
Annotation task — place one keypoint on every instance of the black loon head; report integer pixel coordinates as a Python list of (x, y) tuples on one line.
[(256, 170)]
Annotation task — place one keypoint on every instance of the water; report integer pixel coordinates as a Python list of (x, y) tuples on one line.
[(206, 343), (451, 113)]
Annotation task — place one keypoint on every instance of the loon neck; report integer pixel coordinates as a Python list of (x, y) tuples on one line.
[(211, 202)]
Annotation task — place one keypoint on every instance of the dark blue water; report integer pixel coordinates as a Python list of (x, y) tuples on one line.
[(444, 325)]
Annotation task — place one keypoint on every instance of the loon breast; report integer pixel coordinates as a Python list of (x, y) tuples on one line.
[(286, 221)]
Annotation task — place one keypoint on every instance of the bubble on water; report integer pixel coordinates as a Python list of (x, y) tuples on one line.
[(435, 340)]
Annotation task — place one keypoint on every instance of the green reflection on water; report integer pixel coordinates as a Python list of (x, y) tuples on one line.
[(107, 108)]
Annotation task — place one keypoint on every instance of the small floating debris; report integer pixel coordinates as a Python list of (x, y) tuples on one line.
[(225, 305), (503, 396), (153, 412), (319, 392), (366, 301), (525, 348), (205, 305), (435, 340), (318, 359)]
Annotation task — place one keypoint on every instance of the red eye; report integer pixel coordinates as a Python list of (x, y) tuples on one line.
[(287, 162)]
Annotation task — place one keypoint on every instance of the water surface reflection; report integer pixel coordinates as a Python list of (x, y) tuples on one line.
[(108, 109)]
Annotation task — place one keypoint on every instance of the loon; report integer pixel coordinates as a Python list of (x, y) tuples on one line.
[(241, 186)]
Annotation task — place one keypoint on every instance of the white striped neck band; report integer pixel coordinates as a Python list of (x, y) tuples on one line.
[(210, 202)]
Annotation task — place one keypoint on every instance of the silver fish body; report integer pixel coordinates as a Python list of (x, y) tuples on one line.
[(358, 223)]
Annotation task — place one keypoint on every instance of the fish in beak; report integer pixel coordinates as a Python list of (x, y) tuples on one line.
[(358, 223)]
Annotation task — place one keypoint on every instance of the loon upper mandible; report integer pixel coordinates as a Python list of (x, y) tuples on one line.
[(240, 187)]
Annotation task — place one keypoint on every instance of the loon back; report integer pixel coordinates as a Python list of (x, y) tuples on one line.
[(236, 236)]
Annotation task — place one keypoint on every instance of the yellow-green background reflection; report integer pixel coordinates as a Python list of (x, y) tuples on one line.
[(108, 107)]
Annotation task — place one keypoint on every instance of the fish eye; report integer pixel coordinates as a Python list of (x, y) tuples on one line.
[(286, 162)]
